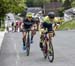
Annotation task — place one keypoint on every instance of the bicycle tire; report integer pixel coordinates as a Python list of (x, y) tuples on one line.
[(28, 51), (51, 53), (28, 46)]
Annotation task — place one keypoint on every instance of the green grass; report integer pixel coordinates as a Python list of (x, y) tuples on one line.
[(2, 27), (67, 25)]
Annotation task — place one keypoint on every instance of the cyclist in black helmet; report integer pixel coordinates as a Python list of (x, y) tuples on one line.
[(47, 26)]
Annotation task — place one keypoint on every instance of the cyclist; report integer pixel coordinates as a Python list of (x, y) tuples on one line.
[(25, 26), (47, 24), (37, 22)]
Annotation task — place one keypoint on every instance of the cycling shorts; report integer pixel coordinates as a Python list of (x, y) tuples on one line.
[(48, 26)]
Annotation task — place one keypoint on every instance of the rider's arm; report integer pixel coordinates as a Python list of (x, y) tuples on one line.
[(54, 26), (22, 25)]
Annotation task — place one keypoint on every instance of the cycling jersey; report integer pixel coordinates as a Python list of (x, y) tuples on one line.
[(27, 23), (48, 24), (46, 19)]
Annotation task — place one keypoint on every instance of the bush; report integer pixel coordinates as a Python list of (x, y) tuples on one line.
[(2, 26), (67, 25)]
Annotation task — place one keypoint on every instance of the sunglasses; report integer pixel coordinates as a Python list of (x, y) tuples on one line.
[(29, 17)]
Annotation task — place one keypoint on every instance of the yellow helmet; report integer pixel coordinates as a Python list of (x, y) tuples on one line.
[(29, 14)]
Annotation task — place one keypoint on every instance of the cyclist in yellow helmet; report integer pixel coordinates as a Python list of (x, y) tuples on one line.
[(28, 22)]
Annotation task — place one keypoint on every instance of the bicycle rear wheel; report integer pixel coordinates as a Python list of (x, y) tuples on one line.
[(51, 52)]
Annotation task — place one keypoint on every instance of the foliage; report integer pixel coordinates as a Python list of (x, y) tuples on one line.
[(73, 4), (67, 25), (32, 3), (15, 6)]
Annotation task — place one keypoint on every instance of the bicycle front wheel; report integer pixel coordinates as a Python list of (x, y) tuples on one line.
[(51, 52), (28, 50), (28, 46)]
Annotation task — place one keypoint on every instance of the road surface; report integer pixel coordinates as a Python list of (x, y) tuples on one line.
[(11, 53)]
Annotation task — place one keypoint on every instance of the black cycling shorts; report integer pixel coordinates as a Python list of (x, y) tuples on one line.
[(27, 26), (48, 26)]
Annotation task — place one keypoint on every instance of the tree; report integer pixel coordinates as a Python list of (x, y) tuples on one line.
[(29, 3), (15, 6), (32, 3), (68, 4), (73, 3)]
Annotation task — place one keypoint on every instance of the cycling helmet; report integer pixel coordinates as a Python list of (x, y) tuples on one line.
[(29, 14), (51, 14)]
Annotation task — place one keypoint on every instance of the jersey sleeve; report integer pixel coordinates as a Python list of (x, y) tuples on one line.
[(46, 19)]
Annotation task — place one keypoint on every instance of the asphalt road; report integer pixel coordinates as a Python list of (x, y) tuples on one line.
[(11, 53)]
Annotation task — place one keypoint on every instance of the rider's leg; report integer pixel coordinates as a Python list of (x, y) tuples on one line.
[(13, 26), (53, 33), (50, 29), (41, 41), (42, 35), (24, 38), (33, 32), (50, 39)]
